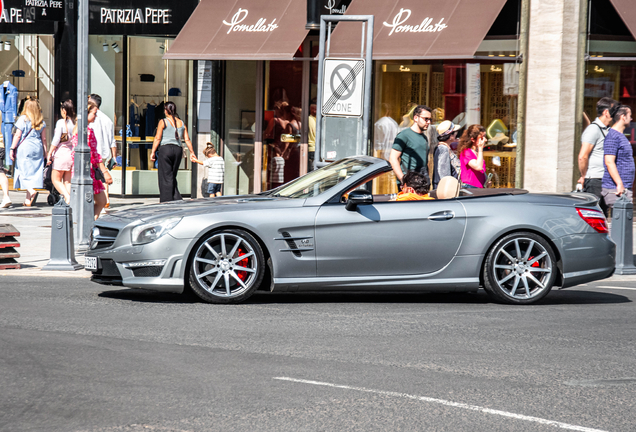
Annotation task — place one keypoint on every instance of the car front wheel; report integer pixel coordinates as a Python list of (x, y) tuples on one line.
[(227, 266), (520, 269)]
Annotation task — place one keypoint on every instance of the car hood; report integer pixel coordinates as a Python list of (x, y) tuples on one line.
[(199, 206)]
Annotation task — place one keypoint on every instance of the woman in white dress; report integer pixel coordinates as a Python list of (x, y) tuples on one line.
[(61, 152)]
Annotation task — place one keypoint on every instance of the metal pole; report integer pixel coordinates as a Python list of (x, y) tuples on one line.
[(125, 112), (321, 61), (82, 183), (367, 87)]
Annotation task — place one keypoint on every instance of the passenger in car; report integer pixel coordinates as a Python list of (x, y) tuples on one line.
[(414, 187)]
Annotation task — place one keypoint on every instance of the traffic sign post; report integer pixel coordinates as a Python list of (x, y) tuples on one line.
[(344, 95), (343, 88)]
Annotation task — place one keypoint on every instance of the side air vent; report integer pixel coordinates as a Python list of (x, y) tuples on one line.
[(291, 244)]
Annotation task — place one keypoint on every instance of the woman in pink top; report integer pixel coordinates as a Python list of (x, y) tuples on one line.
[(471, 157)]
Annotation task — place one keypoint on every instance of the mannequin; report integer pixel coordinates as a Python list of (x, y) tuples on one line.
[(9, 110)]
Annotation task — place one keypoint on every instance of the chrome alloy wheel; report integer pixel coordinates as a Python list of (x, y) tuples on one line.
[(225, 265), (522, 268)]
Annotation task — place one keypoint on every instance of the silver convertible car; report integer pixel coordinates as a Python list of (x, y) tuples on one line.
[(333, 229)]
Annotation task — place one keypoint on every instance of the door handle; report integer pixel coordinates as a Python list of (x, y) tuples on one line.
[(443, 215)]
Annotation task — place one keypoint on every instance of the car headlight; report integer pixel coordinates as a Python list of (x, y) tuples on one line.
[(149, 232)]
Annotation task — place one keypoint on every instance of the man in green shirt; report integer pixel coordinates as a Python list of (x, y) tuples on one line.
[(410, 148)]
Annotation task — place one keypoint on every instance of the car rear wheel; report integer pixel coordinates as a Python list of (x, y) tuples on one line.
[(520, 269), (227, 266)]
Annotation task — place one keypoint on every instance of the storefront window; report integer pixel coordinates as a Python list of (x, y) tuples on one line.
[(610, 68), (136, 108), (463, 92), (282, 122), (240, 127), (28, 64)]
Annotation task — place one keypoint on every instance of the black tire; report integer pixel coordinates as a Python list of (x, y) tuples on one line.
[(226, 266), (520, 269)]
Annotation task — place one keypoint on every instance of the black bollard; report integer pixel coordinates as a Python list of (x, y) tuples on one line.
[(62, 246), (622, 234)]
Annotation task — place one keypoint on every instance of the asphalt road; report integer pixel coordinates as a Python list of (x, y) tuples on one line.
[(76, 356)]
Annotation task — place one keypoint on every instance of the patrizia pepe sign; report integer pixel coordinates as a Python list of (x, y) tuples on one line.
[(398, 25), (236, 23)]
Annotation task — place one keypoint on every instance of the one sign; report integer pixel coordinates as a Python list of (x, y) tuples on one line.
[(343, 88), (135, 17), (44, 10)]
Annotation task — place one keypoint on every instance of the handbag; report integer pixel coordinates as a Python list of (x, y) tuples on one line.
[(99, 175), (64, 137)]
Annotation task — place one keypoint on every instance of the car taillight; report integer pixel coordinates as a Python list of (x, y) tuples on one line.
[(595, 219)]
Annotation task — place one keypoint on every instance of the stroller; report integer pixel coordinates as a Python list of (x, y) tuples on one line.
[(54, 195)]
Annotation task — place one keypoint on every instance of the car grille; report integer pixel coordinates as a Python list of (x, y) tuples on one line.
[(105, 239), (150, 271)]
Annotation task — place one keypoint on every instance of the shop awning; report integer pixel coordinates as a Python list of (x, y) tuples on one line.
[(627, 10), (241, 30), (419, 29)]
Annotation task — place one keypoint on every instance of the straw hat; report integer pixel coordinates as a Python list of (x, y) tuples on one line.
[(447, 127)]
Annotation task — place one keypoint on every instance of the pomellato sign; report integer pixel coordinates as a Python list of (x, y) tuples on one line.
[(261, 24), (398, 25)]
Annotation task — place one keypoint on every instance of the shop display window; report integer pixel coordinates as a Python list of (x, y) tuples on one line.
[(450, 89), (28, 64), (240, 124), (133, 91), (610, 67)]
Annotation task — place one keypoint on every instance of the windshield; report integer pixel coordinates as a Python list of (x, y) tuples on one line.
[(321, 180)]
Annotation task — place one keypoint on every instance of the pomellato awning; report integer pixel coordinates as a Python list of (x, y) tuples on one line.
[(419, 29), (242, 30), (627, 10)]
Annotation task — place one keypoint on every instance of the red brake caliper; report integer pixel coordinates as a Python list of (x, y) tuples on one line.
[(243, 263), (535, 264)]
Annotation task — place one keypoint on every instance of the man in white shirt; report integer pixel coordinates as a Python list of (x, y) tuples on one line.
[(105, 135), (591, 155)]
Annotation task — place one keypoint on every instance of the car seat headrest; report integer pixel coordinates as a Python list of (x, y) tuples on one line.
[(448, 188)]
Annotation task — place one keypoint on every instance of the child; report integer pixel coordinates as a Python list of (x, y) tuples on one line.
[(277, 169), (216, 169)]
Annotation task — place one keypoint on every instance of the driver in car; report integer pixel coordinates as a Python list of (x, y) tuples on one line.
[(415, 187)]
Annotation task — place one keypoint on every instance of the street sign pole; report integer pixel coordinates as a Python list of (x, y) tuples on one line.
[(82, 183), (341, 122)]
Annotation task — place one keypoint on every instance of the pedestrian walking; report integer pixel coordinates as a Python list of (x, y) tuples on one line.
[(28, 150), (167, 150), (410, 147), (592, 154), (216, 169), (618, 178), (471, 157), (99, 173), (61, 152), (445, 161), (104, 130)]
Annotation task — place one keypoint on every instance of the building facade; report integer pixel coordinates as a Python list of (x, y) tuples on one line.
[(244, 77)]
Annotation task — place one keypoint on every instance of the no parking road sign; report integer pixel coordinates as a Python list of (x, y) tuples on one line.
[(343, 87)]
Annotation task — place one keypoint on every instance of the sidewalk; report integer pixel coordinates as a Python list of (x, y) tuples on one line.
[(34, 224)]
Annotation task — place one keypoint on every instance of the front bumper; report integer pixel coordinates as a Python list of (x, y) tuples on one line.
[(113, 265)]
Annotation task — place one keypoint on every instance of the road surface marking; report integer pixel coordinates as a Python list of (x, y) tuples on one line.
[(614, 287), (447, 403)]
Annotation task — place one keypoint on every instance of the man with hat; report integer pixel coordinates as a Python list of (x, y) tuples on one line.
[(445, 161)]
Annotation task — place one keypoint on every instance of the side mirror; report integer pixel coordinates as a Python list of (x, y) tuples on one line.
[(357, 197)]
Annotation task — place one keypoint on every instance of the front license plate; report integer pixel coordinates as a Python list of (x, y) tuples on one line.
[(90, 263)]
